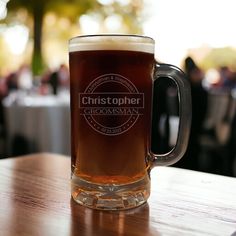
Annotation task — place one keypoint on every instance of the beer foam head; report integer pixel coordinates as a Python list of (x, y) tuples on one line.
[(112, 42)]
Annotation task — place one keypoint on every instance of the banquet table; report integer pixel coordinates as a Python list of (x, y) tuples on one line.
[(35, 200), (43, 122)]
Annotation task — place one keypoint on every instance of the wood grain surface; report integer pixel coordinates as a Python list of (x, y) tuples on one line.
[(35, 200)]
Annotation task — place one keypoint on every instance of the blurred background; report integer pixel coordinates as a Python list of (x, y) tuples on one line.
[(198, 36)]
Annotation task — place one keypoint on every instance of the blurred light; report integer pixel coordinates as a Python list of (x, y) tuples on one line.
[(50, 19), (16, 38), (3, 9), (64, 23), (106, 2), (212, 77), (123, 2), (113, 23), (89, 24), (197, 23), (2, 28)]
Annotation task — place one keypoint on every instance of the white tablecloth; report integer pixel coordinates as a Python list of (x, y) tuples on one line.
[(44, 121)]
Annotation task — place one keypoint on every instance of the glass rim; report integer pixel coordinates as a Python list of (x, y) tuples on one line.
[(125, 42), (134, 36)]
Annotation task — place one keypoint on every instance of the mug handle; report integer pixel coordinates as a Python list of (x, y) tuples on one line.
[(185, 113)]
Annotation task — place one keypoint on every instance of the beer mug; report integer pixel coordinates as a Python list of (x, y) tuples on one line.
[(111, 89)]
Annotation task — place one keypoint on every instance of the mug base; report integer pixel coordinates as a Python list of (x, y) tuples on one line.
[(110, 196)]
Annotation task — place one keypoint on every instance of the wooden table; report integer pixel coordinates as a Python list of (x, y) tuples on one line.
[(35, 200)]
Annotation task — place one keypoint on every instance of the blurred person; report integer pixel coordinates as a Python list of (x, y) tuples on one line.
[(3, 88), (59, 78), (44, 87), (227, 78), (63, 74), (225, 73), (231, 147), (11, 81), (24, 78), (199, 109), (54, 82), (230, 83), (3, 94)]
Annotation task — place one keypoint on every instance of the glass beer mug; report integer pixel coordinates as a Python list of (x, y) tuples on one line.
[(111, 87)]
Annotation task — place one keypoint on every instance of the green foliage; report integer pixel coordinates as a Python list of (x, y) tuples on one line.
[(38, 65), (220, 57), (72, 10)]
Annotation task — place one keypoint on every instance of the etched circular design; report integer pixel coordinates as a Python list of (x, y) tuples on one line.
[(111, 104)]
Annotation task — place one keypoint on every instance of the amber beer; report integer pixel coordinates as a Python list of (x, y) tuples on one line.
[(111, 99)]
